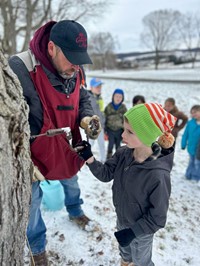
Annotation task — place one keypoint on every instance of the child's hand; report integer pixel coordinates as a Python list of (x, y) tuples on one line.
[(84, 150), (124, 237)]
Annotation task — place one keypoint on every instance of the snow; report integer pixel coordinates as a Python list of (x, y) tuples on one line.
[(178, 243), (177, 74)]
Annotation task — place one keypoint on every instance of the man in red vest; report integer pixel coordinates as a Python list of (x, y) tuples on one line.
[(52, 78)]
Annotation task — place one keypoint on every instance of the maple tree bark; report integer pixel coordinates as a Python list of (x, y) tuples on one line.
[(15, 167)]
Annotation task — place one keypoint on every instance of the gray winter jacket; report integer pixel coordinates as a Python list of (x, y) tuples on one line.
[(96, 108), (141, 191)]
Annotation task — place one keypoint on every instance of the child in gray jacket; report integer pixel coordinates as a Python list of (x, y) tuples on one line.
[(140, 171)]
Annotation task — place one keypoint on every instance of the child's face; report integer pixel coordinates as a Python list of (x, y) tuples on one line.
[(130, 138), (195, 114), (117, 98), (168, 106), (96, 90)]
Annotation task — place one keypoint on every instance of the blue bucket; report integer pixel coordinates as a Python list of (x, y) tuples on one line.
[(53, 195)]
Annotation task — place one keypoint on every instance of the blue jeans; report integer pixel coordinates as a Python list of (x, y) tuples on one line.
[(72, 196), (36, 230), (193, 169)]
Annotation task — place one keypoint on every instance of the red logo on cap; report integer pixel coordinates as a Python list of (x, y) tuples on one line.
[(81, 40)]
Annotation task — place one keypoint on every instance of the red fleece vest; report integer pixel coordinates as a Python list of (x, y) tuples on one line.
[(53, 155)]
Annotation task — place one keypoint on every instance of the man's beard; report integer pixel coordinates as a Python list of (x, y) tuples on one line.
[(66, 76), (63, 74)]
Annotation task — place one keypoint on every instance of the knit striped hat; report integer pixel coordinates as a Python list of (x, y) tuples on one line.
[(150, 121)]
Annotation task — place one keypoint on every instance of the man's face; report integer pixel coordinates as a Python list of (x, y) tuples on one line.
[(64, 68)]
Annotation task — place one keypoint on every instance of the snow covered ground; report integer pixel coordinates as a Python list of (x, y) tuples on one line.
[(170, 74), (177, 244)]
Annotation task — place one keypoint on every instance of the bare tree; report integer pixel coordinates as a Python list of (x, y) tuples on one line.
[(15, 168), (189, 31), (160, 31), (101, 47), (80, 10), (20, 18)]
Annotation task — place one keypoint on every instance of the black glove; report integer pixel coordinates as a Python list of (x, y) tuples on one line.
[(124, 237), (84, 150)]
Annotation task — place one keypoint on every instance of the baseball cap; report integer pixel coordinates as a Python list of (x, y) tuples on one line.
[(94, 82), (71, 37)]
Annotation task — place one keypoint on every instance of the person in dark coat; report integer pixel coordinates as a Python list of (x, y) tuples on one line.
[(52, 78), (140, 171)]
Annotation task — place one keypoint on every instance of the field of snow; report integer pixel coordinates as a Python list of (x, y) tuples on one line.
[(170, 74)]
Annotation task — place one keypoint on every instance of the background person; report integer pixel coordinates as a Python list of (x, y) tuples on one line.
[(98, 107), (138, 99), (114, 117), (170, 106), (51, 78), (191, 139)]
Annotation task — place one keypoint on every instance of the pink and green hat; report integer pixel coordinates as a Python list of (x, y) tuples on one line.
[(149, 121)]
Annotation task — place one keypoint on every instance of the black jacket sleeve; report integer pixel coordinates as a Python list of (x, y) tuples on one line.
[(30, 94), (85, 107)]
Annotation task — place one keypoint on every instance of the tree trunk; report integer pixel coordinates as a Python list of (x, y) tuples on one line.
[(15, 168)]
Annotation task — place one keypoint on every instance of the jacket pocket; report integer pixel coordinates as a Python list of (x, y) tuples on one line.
[(132, 212)]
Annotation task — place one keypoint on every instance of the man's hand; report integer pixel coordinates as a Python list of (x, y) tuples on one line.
[(84, 150), (92, 126), (37, 176)]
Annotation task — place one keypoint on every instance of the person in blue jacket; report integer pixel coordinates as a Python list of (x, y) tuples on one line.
[(191, 139)]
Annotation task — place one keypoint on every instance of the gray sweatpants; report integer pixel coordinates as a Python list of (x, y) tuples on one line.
[(139, 251)]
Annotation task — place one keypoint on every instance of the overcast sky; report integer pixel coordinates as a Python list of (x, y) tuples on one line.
[(124, 19)]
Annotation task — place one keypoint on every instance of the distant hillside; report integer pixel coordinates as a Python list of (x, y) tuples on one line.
[(145, 59), (136, 54)]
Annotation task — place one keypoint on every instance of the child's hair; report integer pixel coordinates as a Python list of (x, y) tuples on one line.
[(195, 107), (138, 98), (171, 100), (151, 123)]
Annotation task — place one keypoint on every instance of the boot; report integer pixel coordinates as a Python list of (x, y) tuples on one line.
[(81, 221), (123, 263), (109, 155), (39, 259)]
